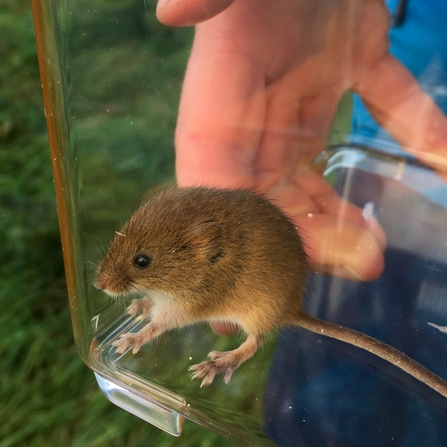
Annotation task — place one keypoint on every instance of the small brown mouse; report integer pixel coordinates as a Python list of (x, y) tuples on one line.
[(204, 254)]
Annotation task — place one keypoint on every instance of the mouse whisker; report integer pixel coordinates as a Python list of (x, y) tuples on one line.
[(100, 246), (92, 265)]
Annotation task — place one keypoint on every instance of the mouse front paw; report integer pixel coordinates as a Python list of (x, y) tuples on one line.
[(140, 305), (128, 341), (219, 362)]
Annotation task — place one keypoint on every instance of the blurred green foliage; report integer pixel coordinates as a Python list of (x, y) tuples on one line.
[(48, 396)]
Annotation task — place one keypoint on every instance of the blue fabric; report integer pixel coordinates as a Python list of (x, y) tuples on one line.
[(420, 43)]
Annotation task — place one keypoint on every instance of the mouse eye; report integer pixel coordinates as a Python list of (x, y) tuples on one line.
[(142, 261)]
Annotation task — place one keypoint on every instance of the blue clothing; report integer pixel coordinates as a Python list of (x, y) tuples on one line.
[(420, 43)]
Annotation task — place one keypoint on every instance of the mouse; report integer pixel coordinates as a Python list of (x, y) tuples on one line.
[(202, 254)]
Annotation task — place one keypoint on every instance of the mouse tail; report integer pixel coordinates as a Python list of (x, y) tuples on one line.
[(376, 347)]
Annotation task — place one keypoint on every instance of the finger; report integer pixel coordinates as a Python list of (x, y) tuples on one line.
[(295, 194), (286, 195), (328, 202), (397, 102), (340, 248), (220, 117), (346, 212), (189, 12), (338, 238), (314, 184)]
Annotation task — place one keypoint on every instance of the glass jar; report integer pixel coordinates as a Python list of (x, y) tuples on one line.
[(111, 77)]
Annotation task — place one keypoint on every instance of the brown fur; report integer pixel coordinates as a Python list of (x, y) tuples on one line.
[(227, 255)]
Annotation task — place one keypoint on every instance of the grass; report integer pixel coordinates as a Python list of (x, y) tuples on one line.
[(48, 396)]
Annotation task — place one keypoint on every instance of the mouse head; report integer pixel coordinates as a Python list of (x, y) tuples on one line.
[(167, 245)]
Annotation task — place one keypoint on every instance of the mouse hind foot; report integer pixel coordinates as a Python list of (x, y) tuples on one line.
[(225, 362)]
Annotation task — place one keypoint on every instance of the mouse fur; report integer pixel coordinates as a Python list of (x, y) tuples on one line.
[(208, 254)]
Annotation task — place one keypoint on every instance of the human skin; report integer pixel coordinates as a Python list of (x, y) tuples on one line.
[(260, 91)]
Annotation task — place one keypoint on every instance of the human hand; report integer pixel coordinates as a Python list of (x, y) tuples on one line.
[(261, 88)]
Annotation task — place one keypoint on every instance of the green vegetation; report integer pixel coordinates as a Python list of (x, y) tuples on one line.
[(48, 396)]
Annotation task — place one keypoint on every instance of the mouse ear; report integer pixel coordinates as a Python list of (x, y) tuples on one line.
[(207, 240)]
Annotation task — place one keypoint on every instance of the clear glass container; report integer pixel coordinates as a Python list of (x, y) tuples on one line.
[(111, 77)]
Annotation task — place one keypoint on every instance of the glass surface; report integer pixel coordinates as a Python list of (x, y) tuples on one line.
[(141, 406), (111, 76)]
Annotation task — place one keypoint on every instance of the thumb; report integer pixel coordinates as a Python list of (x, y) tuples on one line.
[(397, 102), (189, 12)]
